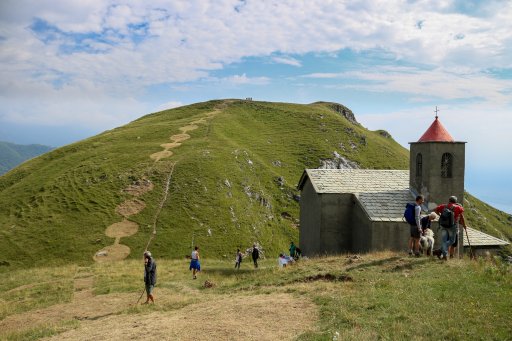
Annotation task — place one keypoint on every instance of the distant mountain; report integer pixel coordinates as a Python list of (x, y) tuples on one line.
[(12, 154), (219, 174)]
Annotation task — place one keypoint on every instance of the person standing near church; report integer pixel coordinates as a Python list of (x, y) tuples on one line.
[(450, 216), (416, 230), (292, 249)]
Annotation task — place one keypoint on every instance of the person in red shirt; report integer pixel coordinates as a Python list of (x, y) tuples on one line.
[(449, 233)]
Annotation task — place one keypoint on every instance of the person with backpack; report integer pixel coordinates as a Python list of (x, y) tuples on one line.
[(450, 216), (238, 259), (149, 276), (255, 255), (412, 216)]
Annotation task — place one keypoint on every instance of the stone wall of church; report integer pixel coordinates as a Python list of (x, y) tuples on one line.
[(389, 235), (310, 220), (361, 230), (336, 231)]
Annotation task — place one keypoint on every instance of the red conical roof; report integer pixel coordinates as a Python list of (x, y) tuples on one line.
[(436, 133)]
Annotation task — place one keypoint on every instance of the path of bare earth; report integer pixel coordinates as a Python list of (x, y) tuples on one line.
[(256, 317), (84, 305), (133, 206)]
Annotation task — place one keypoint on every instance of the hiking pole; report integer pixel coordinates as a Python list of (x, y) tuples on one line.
[(471, 256), (143, 291)]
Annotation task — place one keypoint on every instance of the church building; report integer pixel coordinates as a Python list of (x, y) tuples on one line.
[(361, 210)]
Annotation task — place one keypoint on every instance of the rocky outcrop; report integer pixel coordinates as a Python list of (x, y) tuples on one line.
[(337, 162), (344, 111)]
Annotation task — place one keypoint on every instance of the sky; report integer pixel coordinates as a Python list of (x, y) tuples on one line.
[(72, 69)]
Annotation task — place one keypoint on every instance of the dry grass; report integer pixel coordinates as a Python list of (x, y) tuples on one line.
[(260, 317), (370, 297)]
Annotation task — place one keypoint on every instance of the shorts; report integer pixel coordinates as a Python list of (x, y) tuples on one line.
[(414, 231), (149, 288), (194, 264)]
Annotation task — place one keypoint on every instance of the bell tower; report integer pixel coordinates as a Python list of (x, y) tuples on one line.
[(437, 164)]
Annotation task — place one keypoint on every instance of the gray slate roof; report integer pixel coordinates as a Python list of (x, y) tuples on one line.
[(477, 238), (383, 194)]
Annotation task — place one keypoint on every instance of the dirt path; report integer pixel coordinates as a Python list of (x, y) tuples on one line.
[(83, 306), (259, 317), (133, 206)]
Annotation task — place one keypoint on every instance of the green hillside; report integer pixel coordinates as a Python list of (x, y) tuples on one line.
[(12, 154), (233, 181)]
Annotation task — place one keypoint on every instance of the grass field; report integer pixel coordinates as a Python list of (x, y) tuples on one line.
[(233, 183), (224, 190), (350, 297)]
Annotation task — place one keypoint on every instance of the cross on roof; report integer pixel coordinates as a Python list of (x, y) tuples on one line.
[(436, 111)]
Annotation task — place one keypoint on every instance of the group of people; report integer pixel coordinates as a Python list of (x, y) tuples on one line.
[(195, 265), (255, 255), (451, 215)]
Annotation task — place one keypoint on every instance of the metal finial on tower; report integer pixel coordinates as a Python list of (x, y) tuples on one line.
[(436, 111)]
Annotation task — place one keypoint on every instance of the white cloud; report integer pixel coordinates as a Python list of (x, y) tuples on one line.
[(287, 61), (244, 80), (424, 84), (144, 43)]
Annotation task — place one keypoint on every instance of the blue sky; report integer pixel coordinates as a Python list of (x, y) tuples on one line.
[(71, 69)]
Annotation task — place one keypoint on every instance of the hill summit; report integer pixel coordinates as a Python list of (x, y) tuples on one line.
[(220, 174)]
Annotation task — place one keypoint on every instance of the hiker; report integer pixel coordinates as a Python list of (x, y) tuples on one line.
[(238, 259), (255, 255), (282, 260), (450, 216), (292, 250), (298, 253), (149, 276), (415, 229), (195, 266)]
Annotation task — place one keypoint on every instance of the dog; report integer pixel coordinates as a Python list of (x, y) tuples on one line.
[(427, 242)]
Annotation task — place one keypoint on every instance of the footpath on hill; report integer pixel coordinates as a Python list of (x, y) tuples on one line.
[(101, 316), (133, 206)]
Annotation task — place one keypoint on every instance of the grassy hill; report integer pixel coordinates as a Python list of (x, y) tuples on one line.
[(12, 154), (379, 296), (232, 181)]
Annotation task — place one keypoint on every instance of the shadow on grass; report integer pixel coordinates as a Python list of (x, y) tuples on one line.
[(391, 264), (228, 272), (374, 263)]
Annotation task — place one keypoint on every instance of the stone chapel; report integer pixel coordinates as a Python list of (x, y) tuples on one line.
[(361, 210)]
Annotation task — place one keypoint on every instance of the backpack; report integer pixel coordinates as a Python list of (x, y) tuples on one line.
[(447, 218), (409, 214)]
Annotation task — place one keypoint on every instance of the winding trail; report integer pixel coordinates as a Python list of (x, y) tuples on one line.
[(133, 206)]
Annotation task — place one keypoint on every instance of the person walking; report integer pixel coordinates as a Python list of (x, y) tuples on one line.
[(416, 230), (255, 255), (238, 259), (149, 276), (450, 216), (195, 266)]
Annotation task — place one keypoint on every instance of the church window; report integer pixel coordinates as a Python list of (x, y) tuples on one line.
[(446, 165), (419, 164)]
